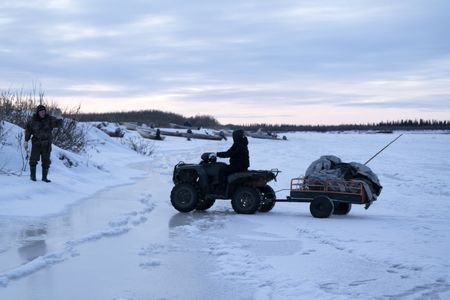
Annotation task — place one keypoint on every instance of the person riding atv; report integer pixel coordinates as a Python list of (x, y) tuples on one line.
[(198, 186), (238, 154)]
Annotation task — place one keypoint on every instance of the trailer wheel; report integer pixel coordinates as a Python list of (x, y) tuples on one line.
[(204, 204), (342, 208), (184, 197), (321, 207), (246, 200), (268, 199)]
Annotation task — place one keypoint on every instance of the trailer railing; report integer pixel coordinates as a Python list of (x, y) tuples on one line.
[(345, 187)]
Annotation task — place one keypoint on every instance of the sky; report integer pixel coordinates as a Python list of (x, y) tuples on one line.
[(274, 61)]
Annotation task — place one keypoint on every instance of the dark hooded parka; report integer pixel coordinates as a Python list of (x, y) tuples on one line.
[(238, 153), (39, 130)]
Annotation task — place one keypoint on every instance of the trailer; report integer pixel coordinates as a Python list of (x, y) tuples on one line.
[(327, 197)]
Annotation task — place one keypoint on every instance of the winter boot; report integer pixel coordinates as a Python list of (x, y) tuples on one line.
[(44, 175), (33, 173)]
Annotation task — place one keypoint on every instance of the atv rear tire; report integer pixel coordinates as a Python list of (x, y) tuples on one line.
[(268, 199), (204, 204), (342, 208), (184, 197), (321, 207), (246, 200)]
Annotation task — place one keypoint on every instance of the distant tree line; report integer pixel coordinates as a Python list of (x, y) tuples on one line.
[(159, 118), (152, 117), (381, 126)]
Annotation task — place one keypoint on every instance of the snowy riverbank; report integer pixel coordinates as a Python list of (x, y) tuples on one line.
[(105, 163)]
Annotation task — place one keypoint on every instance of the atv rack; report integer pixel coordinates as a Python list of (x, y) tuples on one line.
[(306, 189)]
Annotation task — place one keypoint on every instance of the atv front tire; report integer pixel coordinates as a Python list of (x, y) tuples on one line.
[(246, 200), (184, 197), (268, 199)]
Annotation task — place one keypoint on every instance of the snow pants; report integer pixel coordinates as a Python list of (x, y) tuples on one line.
[(41, 150)]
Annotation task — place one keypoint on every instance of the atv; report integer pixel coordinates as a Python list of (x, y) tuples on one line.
[(198, 186)]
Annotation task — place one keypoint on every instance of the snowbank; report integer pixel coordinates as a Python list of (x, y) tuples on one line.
[(74, 176)]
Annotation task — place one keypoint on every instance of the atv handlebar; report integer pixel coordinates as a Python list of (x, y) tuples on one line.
[(209, 157), (275, 172)]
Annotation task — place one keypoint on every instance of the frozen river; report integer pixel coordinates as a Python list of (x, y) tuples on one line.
[(127, 242)]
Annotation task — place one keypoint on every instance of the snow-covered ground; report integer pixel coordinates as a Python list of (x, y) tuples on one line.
[(106, 230)]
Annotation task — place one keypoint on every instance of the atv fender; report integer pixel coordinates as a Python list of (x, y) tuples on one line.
[(194, 172)]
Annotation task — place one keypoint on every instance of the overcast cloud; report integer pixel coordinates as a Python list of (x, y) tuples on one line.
[(241, 61)]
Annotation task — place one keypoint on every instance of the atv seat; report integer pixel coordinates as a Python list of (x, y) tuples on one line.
[(253, 175)]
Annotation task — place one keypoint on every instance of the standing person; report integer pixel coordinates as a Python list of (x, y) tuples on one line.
[(158, 134), (39, 129), (238, 154)]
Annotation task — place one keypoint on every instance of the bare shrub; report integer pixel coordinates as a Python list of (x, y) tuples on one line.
[(24, 155), (2, 133), (139, 145), (72, 135), (18, 107)]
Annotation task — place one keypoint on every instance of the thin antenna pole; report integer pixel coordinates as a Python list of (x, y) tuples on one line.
[(383, 149)]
